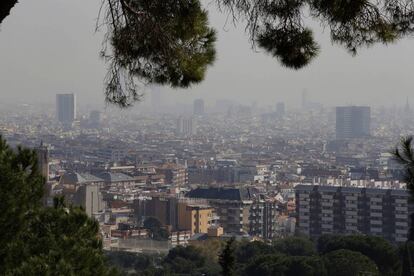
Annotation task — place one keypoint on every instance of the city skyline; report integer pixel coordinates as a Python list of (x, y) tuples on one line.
[(178, 137), (347, 79)]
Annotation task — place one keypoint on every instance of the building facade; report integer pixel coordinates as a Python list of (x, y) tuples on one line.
[(175, 174), (66, 108), (353, 122), (194, 217), (353, 210), (186, 126)]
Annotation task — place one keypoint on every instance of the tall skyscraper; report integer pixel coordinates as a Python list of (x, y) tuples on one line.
[(66, 108), (353, 122), (198, 107), (280, 109)]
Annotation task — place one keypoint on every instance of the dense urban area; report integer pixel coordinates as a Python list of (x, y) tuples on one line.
[(248, 175), (224, 170)]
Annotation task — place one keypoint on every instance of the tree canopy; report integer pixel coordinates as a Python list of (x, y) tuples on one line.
[(344, 262), (360, 255), (170, 42), (295, 246), (377, 249), (37, 240), (156, 230), (227, 259)]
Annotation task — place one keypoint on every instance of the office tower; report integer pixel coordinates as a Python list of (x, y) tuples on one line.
[(95, 119), (66, 108), (186, 126), (381, 212), (280, 109), (198, 107), (353, 122)]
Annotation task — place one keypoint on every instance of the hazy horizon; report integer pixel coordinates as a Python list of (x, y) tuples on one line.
[(50, 47)]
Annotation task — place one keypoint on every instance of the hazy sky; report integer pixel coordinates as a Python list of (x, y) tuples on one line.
[(49, 46)]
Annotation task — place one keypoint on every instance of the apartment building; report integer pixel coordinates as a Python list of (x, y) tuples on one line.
[(194, 217), (240, 210), (232, 205), (175, 174), (353, 210), (81, 189), (263, 219), (178, 214)]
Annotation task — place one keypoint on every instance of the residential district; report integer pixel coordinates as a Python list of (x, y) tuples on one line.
[(209, 172)]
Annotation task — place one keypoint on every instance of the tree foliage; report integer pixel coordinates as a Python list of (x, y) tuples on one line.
[(58, 241), (157, 231), (5, 7), (377, 249), (21, 191), (407, 258), (282, 265), (170, 42), (404, 154), (227, 259), (37, 240), (344, 262), (149, 37), (140, 262), (164, 42), (295, 246), (246, 251), (360, 256), (188, 260)]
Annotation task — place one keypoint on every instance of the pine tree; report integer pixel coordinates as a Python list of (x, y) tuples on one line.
[(404, 154), (227, 259), (170, 42), (37, 240)]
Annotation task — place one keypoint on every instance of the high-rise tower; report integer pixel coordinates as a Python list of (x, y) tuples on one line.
[(66, 108), (353, 122)]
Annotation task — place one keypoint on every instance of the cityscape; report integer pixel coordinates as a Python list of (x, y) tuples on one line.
[(206, 138), (227, 170)]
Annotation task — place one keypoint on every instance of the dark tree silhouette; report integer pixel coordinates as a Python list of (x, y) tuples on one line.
[(5, 8), (156, 229), (37, 240), (344, 262), (404, 154), (383, 253), (227, 258)]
